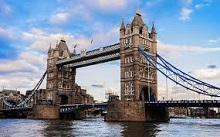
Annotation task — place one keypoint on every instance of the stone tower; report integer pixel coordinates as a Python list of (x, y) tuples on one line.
[(138, 77), (60, 80)]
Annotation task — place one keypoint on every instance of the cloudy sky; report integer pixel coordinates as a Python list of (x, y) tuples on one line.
[(188, 37)]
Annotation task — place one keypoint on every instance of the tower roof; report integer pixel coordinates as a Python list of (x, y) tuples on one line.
[(137, 21), (62, 46)]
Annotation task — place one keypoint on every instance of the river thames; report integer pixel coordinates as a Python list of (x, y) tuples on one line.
[(96, 127)]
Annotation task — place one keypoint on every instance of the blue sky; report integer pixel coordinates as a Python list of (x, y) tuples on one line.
[(188, 36)]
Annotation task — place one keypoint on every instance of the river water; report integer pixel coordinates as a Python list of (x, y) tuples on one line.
[(96, 127)]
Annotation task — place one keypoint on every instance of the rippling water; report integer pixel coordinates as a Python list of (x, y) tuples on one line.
[(96, 127)]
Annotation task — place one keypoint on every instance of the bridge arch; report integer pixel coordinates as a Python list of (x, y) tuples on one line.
[(147, 94), (63, 99)]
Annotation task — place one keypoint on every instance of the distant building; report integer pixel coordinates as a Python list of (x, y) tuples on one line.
[(178, 112), (12, 96), (41, 95), (193, 112), (203, 113), (81, 97)]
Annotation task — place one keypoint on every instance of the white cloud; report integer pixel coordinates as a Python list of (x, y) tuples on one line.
[(5, 8), (22, 73), (107, 38), (152, 3), (83, 10), (207, 73), (172, 50), (41, 40), (201, 5), (188, 1), (185, 13), (6, 32), (74, 12), (214, 40), (189, 7), (60, 17), (107, 4)]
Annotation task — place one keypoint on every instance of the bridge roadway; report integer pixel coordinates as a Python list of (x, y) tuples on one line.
[(169, 103), (184, 103), (72, 107), (17, 109), (100, 55), (68, 108)]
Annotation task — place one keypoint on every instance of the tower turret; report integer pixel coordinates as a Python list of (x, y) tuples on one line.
[(49, 50), (153, 33), (122, 28)]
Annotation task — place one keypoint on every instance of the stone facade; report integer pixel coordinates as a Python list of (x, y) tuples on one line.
[(138, 78), (61, 87), (12, 96)]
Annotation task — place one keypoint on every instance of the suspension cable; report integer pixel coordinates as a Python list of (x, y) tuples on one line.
[(33, 92), (185, 79)]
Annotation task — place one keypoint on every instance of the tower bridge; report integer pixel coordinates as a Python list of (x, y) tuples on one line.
[(139, 64)]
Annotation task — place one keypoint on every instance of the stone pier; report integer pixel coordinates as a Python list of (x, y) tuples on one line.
[(44, 112), (126, 111)]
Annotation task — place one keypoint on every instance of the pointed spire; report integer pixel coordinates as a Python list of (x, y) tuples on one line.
[(153, 30), (49, 48), (74, 52), (122, 25), (57, 45)]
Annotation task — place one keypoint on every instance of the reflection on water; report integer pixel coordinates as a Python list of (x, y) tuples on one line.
[(96, 127), (132, 129), (55, 128)]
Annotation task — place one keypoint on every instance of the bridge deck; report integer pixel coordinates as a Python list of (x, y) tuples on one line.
[(68, 108), (16, 109), (184, 103)]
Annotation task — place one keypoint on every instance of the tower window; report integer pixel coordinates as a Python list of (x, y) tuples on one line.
[(126, 41), (140, 31)]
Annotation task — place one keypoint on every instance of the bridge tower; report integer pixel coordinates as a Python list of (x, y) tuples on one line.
[(138, 78), (60, 80)]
